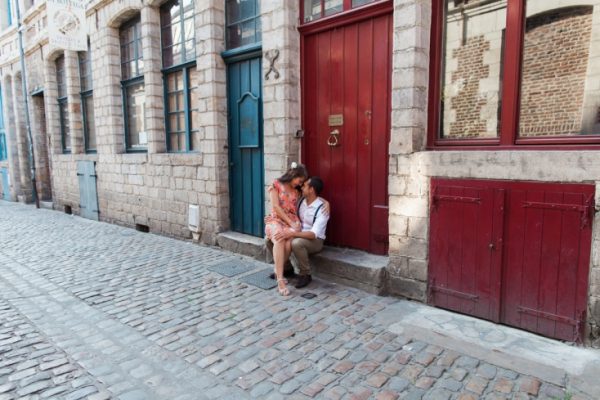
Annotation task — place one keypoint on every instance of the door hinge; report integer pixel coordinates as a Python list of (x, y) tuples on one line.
[(455, 293)]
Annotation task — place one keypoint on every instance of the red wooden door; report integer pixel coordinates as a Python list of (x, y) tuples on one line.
[(466, 247), (512, 252), (548, 241), (346, 90)]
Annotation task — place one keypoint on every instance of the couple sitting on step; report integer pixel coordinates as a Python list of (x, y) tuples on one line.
[(296, 226)]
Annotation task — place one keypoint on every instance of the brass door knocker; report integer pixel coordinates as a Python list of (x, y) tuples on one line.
[(333, 140)]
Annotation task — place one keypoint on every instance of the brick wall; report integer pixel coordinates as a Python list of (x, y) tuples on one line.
[(555, 60), (467, 103)]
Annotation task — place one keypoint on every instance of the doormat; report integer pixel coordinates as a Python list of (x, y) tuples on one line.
[(231, 268), (260, 279)]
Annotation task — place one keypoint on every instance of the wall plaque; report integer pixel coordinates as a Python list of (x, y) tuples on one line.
[(336, 120)]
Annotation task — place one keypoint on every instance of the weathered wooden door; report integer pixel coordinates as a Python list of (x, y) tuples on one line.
[(466, 248), (346, 119), (88, 195), (547, 258), (512, 252), (5, 183), (246, 177)]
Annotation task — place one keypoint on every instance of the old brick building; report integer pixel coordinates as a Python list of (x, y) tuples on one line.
[(458, 139)]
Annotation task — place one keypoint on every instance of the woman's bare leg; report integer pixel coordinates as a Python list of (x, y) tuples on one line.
[(279, 257)]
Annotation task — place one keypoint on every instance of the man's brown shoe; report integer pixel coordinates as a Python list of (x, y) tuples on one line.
[(303, 280)]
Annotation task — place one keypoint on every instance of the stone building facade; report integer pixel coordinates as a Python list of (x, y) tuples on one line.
[(443, 89)]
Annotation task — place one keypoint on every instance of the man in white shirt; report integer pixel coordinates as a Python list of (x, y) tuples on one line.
[(314, 216)]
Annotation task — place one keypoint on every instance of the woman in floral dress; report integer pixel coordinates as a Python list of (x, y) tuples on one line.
[(284, 195)]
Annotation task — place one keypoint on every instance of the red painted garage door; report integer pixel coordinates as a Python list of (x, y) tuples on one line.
[(512, 252)]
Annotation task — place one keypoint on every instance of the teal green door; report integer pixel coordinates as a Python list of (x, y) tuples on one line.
[(246, 177), (5, 184), (88, 195)]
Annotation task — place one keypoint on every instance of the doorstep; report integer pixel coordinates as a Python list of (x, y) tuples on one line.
[(349, 267)]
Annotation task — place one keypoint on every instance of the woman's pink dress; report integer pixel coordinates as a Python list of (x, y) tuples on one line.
[(288, 200)]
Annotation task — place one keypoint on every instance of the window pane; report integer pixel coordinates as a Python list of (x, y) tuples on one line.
[(243, 23), (65, 127), (358, 3), (135, 99), (472, 70), (242, 34), (85, 70), (132, 64), (90, 127), (238, 10), (560, 82), (173, 38), (174, 142), (61, 80), (333, 6), (188, 8), (312, 10)]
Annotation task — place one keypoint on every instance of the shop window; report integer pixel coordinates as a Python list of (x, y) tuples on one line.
[(179, 75), (132, 84), (63, 112), (313, 10), (508, 73), (243, 23), (87, 100)]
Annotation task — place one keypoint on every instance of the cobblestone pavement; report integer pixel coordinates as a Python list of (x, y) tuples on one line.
[(93, 310)]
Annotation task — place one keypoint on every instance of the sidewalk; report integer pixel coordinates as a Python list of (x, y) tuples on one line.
[(92, 310)]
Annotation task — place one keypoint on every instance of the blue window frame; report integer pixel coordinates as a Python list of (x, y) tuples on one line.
[(180, 75), (8, 12), (87, 100), (132, 85), (61, 82), (243, 23)]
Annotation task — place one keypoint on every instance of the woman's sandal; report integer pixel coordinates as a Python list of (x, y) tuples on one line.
[(283, 291)]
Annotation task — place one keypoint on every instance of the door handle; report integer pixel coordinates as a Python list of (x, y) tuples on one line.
[(333, 141)]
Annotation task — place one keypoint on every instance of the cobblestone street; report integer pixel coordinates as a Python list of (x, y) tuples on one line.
[(97, 311)]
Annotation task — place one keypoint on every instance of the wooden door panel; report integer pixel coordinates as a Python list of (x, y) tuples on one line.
[(244, 99), (547, 258), (346, 72), (464, 269)]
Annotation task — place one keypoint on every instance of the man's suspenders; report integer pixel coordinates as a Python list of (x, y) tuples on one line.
[(316, 212)]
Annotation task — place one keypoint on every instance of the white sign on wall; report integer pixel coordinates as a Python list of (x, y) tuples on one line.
[(66, 24)]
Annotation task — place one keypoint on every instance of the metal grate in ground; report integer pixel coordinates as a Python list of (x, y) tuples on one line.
[(232, 267), (260, 279)]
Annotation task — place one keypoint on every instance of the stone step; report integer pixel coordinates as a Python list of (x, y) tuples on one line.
[(240, 243), (349, 267), (352, 268)]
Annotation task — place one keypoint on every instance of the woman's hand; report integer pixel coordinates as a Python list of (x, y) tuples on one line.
[(326, 207), (296, 226)]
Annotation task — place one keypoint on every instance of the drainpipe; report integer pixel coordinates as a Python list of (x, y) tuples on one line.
[(31, 155)]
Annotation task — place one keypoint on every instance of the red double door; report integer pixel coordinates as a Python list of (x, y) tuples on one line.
[(346, 70), (512, 252)]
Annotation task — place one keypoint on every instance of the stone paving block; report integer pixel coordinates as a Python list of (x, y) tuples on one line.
[(377, 380), (486, 371), (261, 390), (476, 384), (290, 386), (398, 384), (530, 385)]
